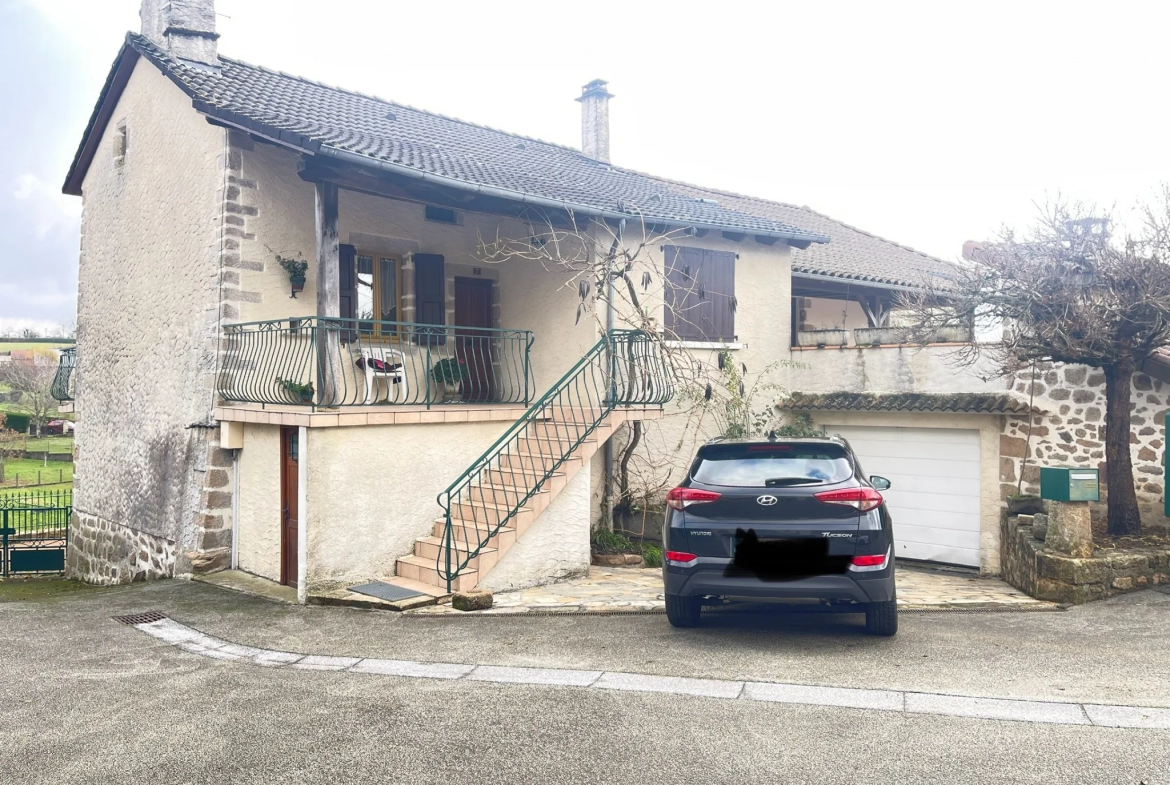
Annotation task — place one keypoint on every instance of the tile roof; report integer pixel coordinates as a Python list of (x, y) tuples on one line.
[(995, 403), (330, 120)]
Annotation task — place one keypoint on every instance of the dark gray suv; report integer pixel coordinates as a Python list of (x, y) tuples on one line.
[(779, 519)]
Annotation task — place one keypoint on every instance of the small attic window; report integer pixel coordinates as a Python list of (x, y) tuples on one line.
[(443, 215), (121, 144)]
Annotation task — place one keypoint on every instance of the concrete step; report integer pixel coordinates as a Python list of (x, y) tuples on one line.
[(423, 570)]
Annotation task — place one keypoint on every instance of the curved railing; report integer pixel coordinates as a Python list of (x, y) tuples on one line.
[(352, 362), (624, 368), (62, 387)]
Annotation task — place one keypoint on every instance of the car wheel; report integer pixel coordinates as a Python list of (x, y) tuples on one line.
[(683, 611), (881, 618)]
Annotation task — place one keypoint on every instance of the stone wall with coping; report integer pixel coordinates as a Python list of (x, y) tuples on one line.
[(152, 495), (1047, 575), (1069, 430)]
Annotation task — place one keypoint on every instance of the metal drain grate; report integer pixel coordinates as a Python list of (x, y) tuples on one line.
[(141, 618)]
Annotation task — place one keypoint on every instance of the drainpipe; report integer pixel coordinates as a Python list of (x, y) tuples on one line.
[(235, 509), (302, 515), (607, 449)]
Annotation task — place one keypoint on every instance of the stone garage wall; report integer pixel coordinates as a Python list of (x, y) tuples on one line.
[(1069, 430)]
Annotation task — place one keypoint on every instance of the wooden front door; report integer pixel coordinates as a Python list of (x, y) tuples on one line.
[(473, 308), (289, 455)]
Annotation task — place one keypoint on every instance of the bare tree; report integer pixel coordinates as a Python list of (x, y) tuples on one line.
[(12, 445), (33, 378), (1073, 290), (619, 283)]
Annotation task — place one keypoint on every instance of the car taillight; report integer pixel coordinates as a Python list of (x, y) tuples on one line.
[(876, 559), (681, 498), (679, 557), (870, 562), (863, 499)]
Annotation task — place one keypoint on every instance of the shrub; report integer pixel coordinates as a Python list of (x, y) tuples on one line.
[(17, 422), (651, 555), (606, 541)]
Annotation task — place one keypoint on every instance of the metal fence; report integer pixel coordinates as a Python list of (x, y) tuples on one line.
[(34, 531), (347, 362)]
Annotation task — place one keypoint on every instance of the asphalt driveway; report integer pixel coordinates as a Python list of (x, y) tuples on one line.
[(90, 700)]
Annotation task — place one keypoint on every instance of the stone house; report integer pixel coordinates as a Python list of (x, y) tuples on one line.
[(294, 359)]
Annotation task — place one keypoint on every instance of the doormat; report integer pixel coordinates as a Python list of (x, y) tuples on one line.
[(386, 591)]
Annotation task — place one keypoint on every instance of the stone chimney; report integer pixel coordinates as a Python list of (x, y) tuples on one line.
[(184, 28), (595, 120)]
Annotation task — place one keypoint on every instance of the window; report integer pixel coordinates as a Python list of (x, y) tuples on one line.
[(700, 294), (772, 465), (378, 292)]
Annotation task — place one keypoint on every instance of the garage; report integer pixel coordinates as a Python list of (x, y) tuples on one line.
[(934, 500)]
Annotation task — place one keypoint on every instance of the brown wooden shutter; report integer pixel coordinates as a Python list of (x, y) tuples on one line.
[(430, 302), (684, 269), (719, 284), (347, 289)]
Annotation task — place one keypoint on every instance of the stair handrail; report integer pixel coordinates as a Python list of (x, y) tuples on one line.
[(632, 372)]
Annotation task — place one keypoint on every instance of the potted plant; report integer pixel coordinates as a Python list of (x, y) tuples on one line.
[(296, 272), (300, 393), (450, 373)]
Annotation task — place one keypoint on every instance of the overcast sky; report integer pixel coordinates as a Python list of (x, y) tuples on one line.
[(927, 123)]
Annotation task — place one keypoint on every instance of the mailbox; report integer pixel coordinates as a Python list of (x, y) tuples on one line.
[(1070, 485)]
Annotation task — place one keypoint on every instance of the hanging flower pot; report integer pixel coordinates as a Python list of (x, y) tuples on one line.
[(296, 272)]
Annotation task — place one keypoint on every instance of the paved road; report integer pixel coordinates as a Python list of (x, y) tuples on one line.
[(88, 700)]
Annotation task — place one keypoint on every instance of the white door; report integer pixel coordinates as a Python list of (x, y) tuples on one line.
[(934, 500)]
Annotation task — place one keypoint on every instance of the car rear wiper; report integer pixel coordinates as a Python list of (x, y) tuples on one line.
[(777, 481)]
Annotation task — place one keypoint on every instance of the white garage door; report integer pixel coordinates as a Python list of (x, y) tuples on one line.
[(934, 500)]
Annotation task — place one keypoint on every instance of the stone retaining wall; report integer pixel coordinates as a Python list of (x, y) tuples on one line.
[(106, 553), (1046, 575)]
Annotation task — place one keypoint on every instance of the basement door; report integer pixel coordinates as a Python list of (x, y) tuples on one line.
[(289, 456), (934, 500)]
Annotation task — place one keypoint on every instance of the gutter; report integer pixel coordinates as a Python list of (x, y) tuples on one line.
[(856, 282)]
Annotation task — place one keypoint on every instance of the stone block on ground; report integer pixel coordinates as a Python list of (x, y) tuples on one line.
[(474, 600), (1070, 529)]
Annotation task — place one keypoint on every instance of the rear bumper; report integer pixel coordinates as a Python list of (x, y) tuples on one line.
[(709, 579)]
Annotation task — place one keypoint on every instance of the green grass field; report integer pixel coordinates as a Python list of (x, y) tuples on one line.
[(55, 444), (23, 473)]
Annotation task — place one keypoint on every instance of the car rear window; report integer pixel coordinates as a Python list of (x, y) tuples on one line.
[(772, 465)]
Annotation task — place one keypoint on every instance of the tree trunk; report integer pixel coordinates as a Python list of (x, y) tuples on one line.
[(624, 500), (1124, 517)]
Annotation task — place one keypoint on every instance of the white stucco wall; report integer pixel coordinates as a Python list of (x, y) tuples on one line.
[(372, 492), (147, 298), (931, 369), (258, 532), (555, 547)]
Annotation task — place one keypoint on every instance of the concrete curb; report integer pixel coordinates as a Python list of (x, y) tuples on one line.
[(896, 701)]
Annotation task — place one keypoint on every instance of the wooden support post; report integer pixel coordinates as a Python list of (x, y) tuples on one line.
[(328, 297)]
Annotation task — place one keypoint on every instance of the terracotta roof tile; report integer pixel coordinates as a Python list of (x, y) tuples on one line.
[(995, 403)]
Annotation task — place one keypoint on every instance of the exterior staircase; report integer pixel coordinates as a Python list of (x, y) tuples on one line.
[(493, 503)]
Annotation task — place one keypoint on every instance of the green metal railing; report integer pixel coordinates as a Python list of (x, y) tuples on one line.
[(62, 388), (352, 362), (624, 368), (34, 531)]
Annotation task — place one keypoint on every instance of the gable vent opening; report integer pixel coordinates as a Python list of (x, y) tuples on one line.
[(443, 215)]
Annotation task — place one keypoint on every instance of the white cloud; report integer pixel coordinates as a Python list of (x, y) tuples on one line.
[(45, 208)]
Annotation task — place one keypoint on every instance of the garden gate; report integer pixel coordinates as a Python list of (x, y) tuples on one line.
[(34, 532)]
